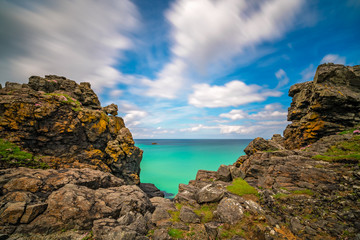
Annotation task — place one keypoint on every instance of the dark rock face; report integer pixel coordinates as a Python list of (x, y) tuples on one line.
[(329, 104), (151, 190), (260, 144), (47, 201), (62, 120)]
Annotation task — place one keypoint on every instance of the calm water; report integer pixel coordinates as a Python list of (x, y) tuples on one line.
[(174, 161)]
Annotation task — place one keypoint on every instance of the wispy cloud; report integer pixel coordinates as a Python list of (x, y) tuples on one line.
[(270, 112), (282, 77), (81, 39), (233, 93), (204, 32), (333, 58)]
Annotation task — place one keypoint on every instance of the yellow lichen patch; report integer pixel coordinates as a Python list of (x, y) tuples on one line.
[(100, 126), (115, 124), (60, 126), (313, 116), (341, 93), (285, 233), (87, 116), (95, 153), (316, 106)]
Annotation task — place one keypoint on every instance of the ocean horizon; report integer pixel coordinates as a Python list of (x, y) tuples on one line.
[(169, 162)]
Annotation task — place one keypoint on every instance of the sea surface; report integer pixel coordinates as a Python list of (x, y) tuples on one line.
[(174, 161)]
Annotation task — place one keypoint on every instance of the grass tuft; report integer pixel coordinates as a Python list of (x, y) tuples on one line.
[(176, 233), (12, 156), (206, 212), (241, 187)]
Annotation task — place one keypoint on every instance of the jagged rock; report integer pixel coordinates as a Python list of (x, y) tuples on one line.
[(229, 211), (111, 109), (60, 121), (160, 214), (211, 230), (224, 173), (12, 212), (161, 234), (277, 138), (72, 198), (315, 110), (151, 190), (163, 203), (260, 144), (209, 193), (204, 175), (187, 215)]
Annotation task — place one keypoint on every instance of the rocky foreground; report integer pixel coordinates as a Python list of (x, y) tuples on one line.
[(305, 185)]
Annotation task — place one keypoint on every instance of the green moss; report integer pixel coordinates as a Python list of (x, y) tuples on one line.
[(345, 151), (176, 233), (234, 230), (241, 187), (12, 156), (280, 196), (305, 191), (68, 100), (206, 212), (175, 216)]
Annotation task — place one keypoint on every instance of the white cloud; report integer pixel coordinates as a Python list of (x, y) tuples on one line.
[(308, 73), (235, 114), (233, 93), (270, 112), (133, 117), (80, 39), (168, 81), (282, 77), (206, 32), (333, 58)]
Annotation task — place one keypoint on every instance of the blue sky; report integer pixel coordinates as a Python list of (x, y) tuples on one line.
[(182, 68)]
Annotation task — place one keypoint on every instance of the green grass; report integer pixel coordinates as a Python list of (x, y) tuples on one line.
[(206, 212), (345, 151), (305, 191), (175, 216), (176, 233), (12, 156), (280, 196), (349, 131), (234, 230), (68, 100), (241, 187)]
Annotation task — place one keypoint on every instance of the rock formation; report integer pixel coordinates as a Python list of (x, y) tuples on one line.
[(71, 202), (63, 124), (327, 105)]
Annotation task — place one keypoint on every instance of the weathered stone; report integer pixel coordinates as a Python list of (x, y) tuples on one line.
[(187, 215), (160, 214), (111, 109), (12, 212), (315, 110), (32, 211), (224, 173), (163, 203), (212, 230), (229, 211), (151, 190), (209, 193), (204, 175), (161, 234), (60, 119), (260, 144)]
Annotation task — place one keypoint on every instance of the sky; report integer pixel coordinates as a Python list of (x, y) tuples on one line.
[(182, 68)]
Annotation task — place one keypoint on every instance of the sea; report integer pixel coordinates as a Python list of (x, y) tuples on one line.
[(169, 162)]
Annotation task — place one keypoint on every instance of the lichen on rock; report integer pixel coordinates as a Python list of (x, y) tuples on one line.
[(62, 120)]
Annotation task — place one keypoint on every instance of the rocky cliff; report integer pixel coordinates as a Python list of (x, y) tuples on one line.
[(303, 186), (322, 107), (62, 124)]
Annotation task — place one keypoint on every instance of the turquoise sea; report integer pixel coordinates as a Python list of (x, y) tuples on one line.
[(174, 161)]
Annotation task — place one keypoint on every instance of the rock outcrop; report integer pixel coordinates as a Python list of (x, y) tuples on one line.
[(75, 201), (63, 124), (325, 106)]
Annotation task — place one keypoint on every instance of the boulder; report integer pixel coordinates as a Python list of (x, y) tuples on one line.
[(187, 215), (224, 173), (151, 190), (260, 144), (229, 211), (210, 193)]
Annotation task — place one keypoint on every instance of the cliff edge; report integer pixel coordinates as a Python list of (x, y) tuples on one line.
[(64, 126)]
